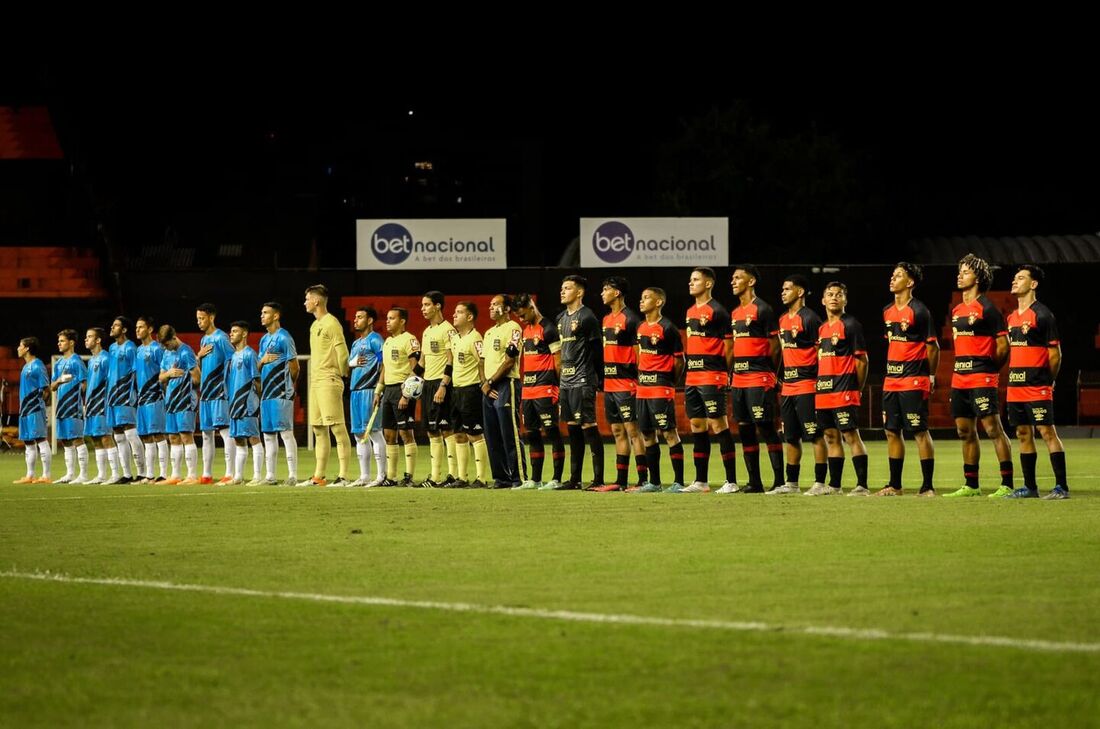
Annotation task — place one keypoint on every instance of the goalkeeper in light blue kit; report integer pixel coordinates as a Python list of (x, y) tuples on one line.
[(365, 361), (244, 404), (278, 376)]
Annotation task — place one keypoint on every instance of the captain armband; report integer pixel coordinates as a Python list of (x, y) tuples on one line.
[(512, 351)]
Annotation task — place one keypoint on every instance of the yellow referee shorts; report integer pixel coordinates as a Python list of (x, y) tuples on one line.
[(326, 403)]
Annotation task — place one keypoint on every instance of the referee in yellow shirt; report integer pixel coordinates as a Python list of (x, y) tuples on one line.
[(501, 388), (328, 366)]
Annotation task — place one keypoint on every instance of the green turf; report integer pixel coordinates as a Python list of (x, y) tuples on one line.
[(80, 654)]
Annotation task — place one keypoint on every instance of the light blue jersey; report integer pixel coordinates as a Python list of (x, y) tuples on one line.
[(364, 378), (213, 396), (121, 384), (180, 400), (32, 408), (244, 404), (95, 397), (277, 388), (70, 397), (150, 407)]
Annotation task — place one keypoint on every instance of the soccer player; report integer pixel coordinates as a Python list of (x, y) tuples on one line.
[(34, 394), (1034, 358), (755, 359), (541, 371), (328, 366), (469, 373), (95, 409), (581, 375), (620, 383), (660, 365), (70, 380), (798, 329), (912, 356), (365, 362), (150, 403), (279, 379), (841, 375), (501, 389), (244, 405), (179, 374), (214, 355), (400, 359), (981, 347), (709, 358), (122, 399), (435, 400)]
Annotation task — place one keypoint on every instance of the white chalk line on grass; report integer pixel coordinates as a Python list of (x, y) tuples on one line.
[(578, 617)]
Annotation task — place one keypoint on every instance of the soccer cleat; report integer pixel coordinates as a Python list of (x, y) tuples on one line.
[(113, 480), (190, 482), (313, 481), (675, 488), (374, 484), (860, 491), (1001, 492), (606, 488), (888, 491), (172, 482), (1024, 493), (477, 483), (820, 489), (160, 480), (552, 485), (962, 492), (25, 479), (1058, 493), (729, 487), (927, 494), (528, 485), (291, 481), (649, 488), (270, 482), (787, 488), (123, 480), (256, 482), (357, 482), (79, 480), (64, 479), (95, 481), (429, 484), (567, 486), (225, 480), (697, 487), (503, 485), (206, 480), (407, 483), (752, 488), (446, 483), (43, 479), (236, 482), (341, 482)]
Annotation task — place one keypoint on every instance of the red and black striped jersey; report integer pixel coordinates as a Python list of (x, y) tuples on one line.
[(1031, 334), (753, 326), (839, 344), (975, 328), (659, 346), (620, 363), (540, 343), (581, 349), (708, 330), (798, 336), (909, 331)]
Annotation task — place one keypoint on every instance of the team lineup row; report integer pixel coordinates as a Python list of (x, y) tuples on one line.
[(474, 388)]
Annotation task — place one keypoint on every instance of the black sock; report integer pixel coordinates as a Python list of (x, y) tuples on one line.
[(622, 469), (821, 471), (927, 468), (750, 449), (1027, 465), (702, 455), (557, 452), (537, 454), (728, 450), (1058, 463), (860, 464), (793, 469), (653, 462), (836, 470), (641, 465), (676, 456), (1006, 473), (595, 442), (896, 465), (775, 452), (576, 453), (970, 472)]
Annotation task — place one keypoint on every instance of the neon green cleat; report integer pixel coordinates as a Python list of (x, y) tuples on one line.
[(964, 491), (1001, 493)]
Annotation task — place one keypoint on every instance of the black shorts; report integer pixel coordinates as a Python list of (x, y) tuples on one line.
[(466, 413), (578, 404), (975, 402), (435, 416), (754, 405), (393, 418), (656, 414), (705, 401), (842, 419), (540, 413), (799, 418), (1032, 412), (619, 407), (905, 410)]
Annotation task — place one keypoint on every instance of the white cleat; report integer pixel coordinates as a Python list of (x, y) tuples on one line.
[(111, 481), (860, 491), (696, 487), (729, 487), (79, 480), (67, 478), (787, 488), (358, 483), (820, 489), (374, 484), (94, 481), (256, 482)]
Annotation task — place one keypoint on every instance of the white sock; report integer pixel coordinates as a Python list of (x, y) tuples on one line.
[(271, 452), (207, 454), (362, 451), (162, 457), (257, 461), (291, 446), (139, 452), (31, 456), (240, 455), (82, 460), (114, 462), (177, 460), (46, 454), (230, 452), (123, 454), (379, 444), (70, 461), (150, 458), (101, 463), (191, 457)]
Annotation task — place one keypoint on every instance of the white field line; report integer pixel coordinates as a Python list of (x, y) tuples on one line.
[(860, 634)]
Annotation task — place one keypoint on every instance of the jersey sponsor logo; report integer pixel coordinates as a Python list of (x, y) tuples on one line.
[(1017, 377), (568, 371), (894, 369)]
